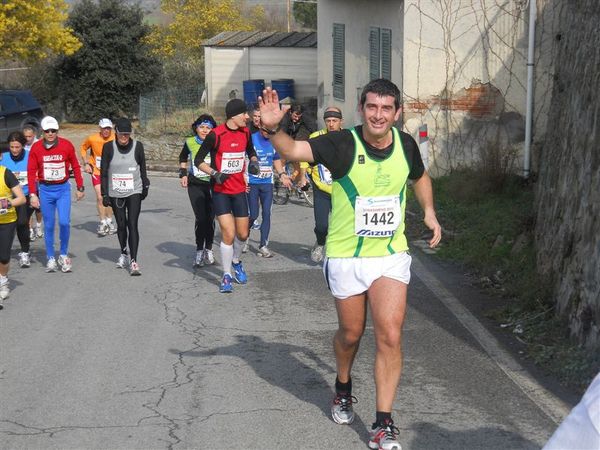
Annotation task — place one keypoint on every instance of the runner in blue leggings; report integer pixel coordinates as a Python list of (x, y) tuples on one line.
[(50, 162)]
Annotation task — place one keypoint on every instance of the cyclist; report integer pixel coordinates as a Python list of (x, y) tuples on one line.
[(367, 263), (199, 189), (50, 161), (228, 145), (320, 178), (91, 164)]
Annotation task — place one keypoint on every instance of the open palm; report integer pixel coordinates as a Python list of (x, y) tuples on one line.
[(271, 113)]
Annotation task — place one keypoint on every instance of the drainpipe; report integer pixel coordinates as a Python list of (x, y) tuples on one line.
[(530, 62)]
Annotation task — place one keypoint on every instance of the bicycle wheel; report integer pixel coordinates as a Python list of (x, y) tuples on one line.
[(280, 194)]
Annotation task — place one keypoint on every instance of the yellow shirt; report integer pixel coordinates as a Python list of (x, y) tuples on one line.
[(315, 171)]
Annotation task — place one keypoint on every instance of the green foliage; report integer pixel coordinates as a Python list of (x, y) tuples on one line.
[(106, 76), (306, 14), (488, 222)]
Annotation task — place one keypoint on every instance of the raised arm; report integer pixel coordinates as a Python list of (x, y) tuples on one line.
[(271, 114)]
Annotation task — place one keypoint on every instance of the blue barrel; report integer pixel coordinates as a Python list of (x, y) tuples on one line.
[(284, 88), (252, 89)]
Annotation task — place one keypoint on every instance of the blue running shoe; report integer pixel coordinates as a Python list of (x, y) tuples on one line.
[(226, 286), (239, 273)]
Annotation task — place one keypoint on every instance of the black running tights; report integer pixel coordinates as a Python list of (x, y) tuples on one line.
[(204, 227), (127, 213)]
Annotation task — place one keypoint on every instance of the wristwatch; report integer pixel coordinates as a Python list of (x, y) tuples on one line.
[(271, 132)]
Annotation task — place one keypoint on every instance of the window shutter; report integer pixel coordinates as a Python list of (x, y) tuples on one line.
[(386, 53), (339, 60), (374, 49)]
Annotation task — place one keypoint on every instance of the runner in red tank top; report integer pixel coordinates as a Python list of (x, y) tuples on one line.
[(229, 144)]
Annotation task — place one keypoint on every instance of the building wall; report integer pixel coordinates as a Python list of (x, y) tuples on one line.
[(358, 16), (227, 68), (275, 63), (461, 66)]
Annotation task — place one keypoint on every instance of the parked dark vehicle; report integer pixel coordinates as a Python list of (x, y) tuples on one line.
[(17, 108)]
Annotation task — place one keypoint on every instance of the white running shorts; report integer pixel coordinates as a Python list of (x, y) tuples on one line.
[(352, 276)]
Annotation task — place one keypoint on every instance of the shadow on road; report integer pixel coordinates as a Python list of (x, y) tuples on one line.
[(278, 365), (100, 254), (430, 435)]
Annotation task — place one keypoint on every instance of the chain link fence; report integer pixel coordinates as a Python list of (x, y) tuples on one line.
[(170, 111)]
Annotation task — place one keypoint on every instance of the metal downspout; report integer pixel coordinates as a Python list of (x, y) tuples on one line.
[(530, 79)]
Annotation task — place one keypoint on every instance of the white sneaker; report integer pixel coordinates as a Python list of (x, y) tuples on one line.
[(32, 235), (4, 290), (209, 257), (123, 261), (102, 229), (134, 269), (51, 265), (38, 231), (65, 263), (112, 228), (245, 247), (316, 254), (199, 260), (24, 260), (264, 252)]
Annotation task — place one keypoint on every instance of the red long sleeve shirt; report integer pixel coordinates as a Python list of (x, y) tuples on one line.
[(52, 166)]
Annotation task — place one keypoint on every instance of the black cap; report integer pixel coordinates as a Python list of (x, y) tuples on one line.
[(234, 107), (123, 125)]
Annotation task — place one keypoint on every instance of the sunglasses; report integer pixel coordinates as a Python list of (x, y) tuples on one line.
[(50, 131)]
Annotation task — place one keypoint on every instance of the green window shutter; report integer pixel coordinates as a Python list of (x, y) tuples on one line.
[(339, 60), (374, 51), (386, 53)]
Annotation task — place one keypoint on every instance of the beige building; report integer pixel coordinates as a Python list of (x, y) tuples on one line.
[(232, 57), (461, 65)]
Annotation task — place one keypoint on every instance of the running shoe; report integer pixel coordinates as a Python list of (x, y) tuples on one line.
[(24, 260), (4, 289), (102, 229), (245, 247), (264, 252), (112, 228), (239, 274), (226, 286), (199, 260), (255, 225), (341, 409), (51, 265), (32, 235), (134, 269), (384, 437), (39, 232), (209, 257), (123, 261), (65, 263), (316, 254)]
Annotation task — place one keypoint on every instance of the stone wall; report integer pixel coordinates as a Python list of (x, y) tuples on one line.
[(568, 189)]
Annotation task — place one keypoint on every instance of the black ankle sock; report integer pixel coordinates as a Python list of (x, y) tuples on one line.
[(343, 387), (381, 417)]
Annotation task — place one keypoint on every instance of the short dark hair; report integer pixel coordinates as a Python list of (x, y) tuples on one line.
[(18, 137), (382, 88), (296, 108)]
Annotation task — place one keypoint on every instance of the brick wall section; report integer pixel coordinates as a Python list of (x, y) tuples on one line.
[(480, 100), (568, 188)]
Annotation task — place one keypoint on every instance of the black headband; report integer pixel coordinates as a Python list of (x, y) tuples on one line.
[(334, 114)]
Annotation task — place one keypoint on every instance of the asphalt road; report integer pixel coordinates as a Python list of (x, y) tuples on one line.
[(101, 360)]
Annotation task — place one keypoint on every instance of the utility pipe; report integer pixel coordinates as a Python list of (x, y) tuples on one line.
[(530, 64)]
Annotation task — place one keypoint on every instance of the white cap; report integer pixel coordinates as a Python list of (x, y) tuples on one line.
[(105, 123), (49, 123)]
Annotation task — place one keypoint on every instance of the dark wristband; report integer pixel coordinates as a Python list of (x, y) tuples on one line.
[(182, 172), (81, 188), (271, 132)]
